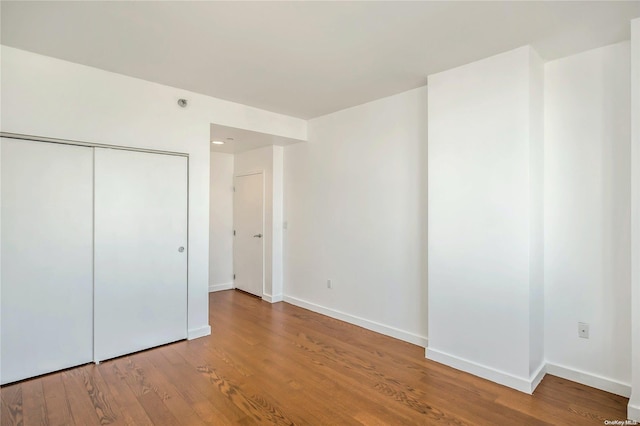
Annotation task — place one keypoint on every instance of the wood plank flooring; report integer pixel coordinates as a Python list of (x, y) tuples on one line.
[(280, 364)]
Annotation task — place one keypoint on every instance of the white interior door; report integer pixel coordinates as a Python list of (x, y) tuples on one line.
[(140, 251), (248, 222), (47, 257)]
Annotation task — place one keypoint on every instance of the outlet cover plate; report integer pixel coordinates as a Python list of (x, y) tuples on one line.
[(583, 330)]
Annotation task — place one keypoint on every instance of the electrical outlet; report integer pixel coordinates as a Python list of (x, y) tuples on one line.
[(328, 283), (583, 330)]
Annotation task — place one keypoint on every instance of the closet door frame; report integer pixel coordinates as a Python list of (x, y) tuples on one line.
[(9, 135), (34, 138)]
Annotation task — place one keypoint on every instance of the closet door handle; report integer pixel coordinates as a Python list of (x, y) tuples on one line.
[(180, 249), (257, 236)]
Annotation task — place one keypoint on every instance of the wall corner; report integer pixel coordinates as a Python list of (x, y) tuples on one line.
[(634, 401)]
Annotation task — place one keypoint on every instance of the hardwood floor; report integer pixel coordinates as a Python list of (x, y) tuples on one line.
[(279, 364)]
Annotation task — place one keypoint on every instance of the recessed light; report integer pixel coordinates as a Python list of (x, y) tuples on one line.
[(217, 142)]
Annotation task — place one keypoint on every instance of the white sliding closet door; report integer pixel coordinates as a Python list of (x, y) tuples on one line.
[(47, 257), (140, 251)]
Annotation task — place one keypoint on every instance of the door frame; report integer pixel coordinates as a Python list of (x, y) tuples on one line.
[(242, 174), (34, 138)]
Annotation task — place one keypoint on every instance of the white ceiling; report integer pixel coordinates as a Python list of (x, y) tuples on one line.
[(304, 59), (240, 140)]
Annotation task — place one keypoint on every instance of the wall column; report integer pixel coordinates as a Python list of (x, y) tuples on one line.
[(485, 236)]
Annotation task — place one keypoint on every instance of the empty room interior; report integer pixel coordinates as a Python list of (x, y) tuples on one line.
[(320, 213)]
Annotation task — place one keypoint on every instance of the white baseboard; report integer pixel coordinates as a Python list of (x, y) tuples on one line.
[(526, 385), (364, 323), (220, 287), (537, 377), (633, 412), (529, 385), (593, 380), (272, 299), (194, 333)]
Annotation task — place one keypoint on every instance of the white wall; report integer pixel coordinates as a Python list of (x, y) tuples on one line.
[(536, 212), (277, 225), (269, 160), (587, 217), (48, 97), (484, 212), (221, 222), (355, 207), (634, 402)]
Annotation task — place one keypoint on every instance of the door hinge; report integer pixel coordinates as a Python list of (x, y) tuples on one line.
[(234, 189), (234, 276), (234, 232)]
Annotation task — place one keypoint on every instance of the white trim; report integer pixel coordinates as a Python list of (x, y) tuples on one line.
[(87, 144), (250, 173), (272, 299), (195, 333), (364, 323), (537, 377), (489, 373), (220, 287), (634, 402), (593, 380), (633, 412), (529, 385)]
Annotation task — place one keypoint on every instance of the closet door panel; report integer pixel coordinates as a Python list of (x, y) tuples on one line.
[(140, 251), (46, 257)]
